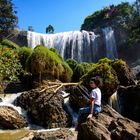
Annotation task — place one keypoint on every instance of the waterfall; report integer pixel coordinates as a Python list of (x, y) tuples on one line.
[(111, 49), (74, 44), (82, 46), (114, 102), (73, 114)]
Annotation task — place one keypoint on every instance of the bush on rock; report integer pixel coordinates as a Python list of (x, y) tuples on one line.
[(46, 64), (108, 77), (24, 53), (80, 70), (124, 74), (112, 73), (9, 44)]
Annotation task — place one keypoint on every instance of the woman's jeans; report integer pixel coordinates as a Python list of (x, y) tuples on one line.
[(86, 110)]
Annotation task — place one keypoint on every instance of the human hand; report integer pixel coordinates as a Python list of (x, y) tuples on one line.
[(89, 116)]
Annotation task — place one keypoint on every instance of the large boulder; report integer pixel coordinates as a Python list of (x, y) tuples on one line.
[(113, 73), (108, 76), (129, 101), (124, 73), (11, 119), (45, 108), (45, 64), (109, 125), (79, 96), (60, 134)]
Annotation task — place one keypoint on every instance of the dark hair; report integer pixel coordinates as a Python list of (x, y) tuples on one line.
[(96, 80)]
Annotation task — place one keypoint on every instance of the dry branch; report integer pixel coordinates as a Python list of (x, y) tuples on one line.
[(58, 86)]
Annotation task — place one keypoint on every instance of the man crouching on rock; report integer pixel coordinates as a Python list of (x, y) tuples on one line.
[(95, 100)]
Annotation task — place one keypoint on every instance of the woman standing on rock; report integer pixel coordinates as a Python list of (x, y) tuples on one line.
[(95, 100)]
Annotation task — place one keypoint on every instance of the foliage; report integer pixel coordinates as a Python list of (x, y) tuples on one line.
[(10, 66), (72, 63), (9, 44), (56, 52), (134, 34), (120, 14), (46, 64), (8, 18), (50, 29), (23, 54), (30, 28)]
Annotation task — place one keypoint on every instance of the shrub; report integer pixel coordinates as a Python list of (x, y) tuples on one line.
[(46, 64), (24, 53), (10, 66), (72, 63), (9, 44)]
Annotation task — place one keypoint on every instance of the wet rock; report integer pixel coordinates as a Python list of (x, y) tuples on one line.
[(129, 101), (1, 100), (11, 119), (109, 125), (60, 134), (45, 108)]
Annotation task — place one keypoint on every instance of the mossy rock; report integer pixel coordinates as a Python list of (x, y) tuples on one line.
[(112, 73), (10, 44), (24, 53), (45, 64), (80, 70), (124, 73), (108, 76), (72, 63)]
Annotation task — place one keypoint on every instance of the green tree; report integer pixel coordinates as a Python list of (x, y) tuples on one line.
[(138, 5), (30, 28), (50, 29), (8, 18)]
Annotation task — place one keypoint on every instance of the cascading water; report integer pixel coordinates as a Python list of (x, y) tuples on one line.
[(82, 46), (76, 45), (111, 49), (8, 101)]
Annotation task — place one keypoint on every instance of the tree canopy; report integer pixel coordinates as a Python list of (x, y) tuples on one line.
[(120, 14), (8, 18), (50, 29)]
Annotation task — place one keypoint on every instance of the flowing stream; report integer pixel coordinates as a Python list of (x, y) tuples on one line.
[(8, 99)]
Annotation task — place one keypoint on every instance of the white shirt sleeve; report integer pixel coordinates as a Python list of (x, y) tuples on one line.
[(93, 94)]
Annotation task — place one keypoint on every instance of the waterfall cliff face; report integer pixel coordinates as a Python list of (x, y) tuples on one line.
[(82, 46)]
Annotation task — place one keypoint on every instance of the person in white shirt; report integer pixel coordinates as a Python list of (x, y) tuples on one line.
[(95, 100)]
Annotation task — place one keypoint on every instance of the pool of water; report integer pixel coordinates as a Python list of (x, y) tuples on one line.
[(13, 134)]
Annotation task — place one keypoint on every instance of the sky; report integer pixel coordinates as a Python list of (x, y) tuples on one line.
[(64, 15)]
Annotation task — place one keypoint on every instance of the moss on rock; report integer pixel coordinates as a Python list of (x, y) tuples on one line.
[(112, 73), (124, 74), (46, 64), (72, 63), (80, 70), (24, 53), (108, 77)]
